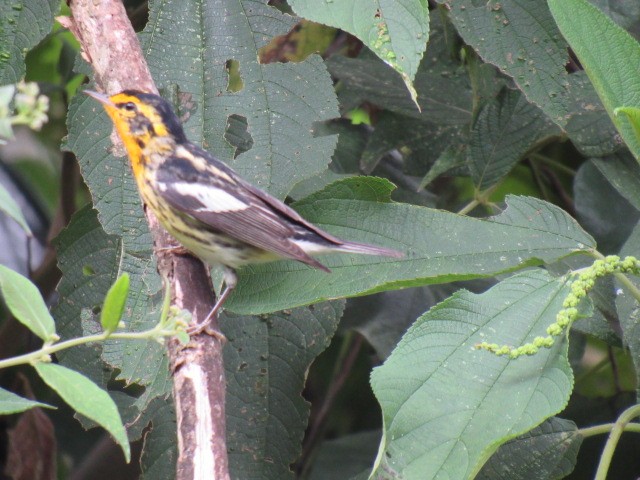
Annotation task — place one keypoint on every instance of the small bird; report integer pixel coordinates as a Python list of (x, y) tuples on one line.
[(204, 204)]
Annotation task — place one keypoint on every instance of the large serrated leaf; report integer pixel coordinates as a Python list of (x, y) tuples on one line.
[(188, 46), (395, 30), (160, 451), (611, 70), (421, 141), (505, 129), (266, 361), (601, 209), (447, 406), (623, 173), (592, 132), (522, 40), (440, 246), (548, 452), (444, 92), (23, 24), (90, 261), (87, 257), (345, 457)]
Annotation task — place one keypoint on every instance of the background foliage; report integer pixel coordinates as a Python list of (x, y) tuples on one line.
[(491, 161)]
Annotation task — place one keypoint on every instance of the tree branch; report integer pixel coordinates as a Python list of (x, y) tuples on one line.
[(110, 44)]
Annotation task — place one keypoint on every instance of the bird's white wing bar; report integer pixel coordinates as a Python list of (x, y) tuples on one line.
[(212, 199)]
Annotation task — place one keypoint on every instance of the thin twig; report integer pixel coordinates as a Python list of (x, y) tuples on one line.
[(351, 346), (612, 442)]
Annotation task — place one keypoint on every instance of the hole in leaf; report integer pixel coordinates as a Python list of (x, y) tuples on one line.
[(304, 39), (96, 309), (237, 134), (234, 79), (87, 271)]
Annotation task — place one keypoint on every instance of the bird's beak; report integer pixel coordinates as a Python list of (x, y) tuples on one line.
[(101, 97)]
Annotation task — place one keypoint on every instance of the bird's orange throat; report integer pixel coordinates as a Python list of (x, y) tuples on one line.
[(134, 144)]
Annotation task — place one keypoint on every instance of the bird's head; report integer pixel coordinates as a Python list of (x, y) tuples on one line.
[(140, 117)]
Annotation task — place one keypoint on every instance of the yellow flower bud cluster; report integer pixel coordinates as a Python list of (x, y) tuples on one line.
[(580, 287)]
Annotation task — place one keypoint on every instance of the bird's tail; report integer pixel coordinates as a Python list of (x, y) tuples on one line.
[(354, 247)]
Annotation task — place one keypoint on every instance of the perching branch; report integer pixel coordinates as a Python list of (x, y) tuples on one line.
[(109, 42)]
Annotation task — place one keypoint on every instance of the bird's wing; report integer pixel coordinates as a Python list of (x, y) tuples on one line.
[(219, 199)]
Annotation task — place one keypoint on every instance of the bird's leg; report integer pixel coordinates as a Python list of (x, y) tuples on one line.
[(230, 282)]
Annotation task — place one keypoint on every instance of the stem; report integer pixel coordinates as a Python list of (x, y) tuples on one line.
[(553, 163), (539, 180), (606, 428), (349, 351), (481, 198), (628, 284), (612, 441), (468, 207), (36, 356)]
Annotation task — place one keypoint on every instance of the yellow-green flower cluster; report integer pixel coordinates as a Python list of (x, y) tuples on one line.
[(580, 287), (30, 108)]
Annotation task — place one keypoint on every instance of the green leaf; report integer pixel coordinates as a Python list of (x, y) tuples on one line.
[(114, 303), (11, 403), (160, 452), (86, 398), (266, 362), (504, 131), (280, 102), (345, 456), (590, 130), (548, 451), (88, 260), (633, 113), (23, 23), (521, 39), (453, 158), (440, 246), (444, 92), (420, 140), (396, 31), (384, 317), (627, 306), (447, 417), (11, 208), (611, 70), (24, 301), (602, 211), (623, 173)]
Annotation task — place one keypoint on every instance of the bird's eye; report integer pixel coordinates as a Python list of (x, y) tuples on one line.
[(129, 107)]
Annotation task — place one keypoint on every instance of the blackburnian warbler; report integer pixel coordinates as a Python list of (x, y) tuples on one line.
[(204, 204)]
